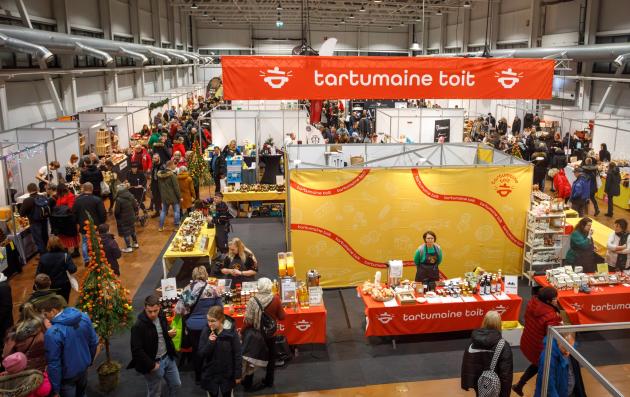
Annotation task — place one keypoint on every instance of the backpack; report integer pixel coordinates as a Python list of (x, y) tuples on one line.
[(489, 384), (268, 325), (564, 187), (41, 211)]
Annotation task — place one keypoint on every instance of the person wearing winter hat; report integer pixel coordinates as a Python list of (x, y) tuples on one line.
[(16, 363)]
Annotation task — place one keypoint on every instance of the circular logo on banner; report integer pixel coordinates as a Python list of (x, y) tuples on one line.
[(385, 317), (504, 184), (303, 325)]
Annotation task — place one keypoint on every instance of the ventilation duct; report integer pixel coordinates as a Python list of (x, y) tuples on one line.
[(102, 55), (178, 56), (36, 51), (159, 55), (135, 55)]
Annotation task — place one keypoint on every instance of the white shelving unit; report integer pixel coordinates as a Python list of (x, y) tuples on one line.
[(543, 242)]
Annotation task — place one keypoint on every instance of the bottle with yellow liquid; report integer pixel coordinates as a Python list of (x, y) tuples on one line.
[(282, 264), (303, 295), (290, 264)]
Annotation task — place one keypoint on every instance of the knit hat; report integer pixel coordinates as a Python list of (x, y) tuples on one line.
[(547, 294), (15, 362)]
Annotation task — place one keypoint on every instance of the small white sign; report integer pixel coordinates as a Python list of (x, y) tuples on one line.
[(396, 269), (237, 186), (169, 288), (122, 165), (315, 296), (287, 286), (511, 285), (279, 179)]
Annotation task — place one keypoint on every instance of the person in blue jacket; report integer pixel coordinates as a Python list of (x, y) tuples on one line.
[(427, 258), (71, 345), (565, 378), (580, 192)]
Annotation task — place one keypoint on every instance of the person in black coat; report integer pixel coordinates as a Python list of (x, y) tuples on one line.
[(32, 209), (478, 355), (156, 200), (93, 175), (111, 248), (87, 204), (220, 349), (6, 307), (218, 166), (56, 263), (516, 125), (612, 188), (151, 357), (591, 171), (125, 213), (604, 154), (137, 184)]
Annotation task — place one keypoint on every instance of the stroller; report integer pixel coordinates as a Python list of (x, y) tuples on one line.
[(138, 193)]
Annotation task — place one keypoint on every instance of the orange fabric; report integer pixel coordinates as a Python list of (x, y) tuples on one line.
[(301, 77), (610, 305), (300, 327), (433, 317)]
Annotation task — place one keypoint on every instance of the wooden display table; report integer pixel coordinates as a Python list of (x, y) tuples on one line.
[(390, 318), (601, 233), (254, 196), (198, 252), (301, 326), (609, 304), (621, 201)]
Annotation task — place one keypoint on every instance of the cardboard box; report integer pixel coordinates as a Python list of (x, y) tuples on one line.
[(512, 335)]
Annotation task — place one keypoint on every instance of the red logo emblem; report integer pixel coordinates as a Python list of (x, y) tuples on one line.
[(504, 184)]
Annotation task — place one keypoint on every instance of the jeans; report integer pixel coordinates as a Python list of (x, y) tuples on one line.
[(580, 206), (130, 239), (610, 205), (163, 213), (595, 205), (84, 249), (39, 231), (168, 371), (74, 387)]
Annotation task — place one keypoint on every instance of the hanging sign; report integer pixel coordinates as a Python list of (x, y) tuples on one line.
[(301, 77), (442, 130)]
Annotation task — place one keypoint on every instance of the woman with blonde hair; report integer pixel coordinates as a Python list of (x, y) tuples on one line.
[(196, 299), (240, 263), (478, 355), (27, 337)]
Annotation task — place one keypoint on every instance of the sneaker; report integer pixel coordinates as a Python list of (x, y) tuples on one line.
[(135, 245), (127, 250), (160, 229), (518, 390)]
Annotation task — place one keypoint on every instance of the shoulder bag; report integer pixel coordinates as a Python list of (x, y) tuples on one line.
[(489, 383), (268, 324)]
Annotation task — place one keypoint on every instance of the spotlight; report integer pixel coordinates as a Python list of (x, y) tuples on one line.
[(362, 9), (351, 16), (389, 28), (467, 4), (279, 7), (194, 6), (439, 13), (205, 13)]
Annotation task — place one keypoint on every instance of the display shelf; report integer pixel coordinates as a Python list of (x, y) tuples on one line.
[(541, 263), (554, 225), (550, 231), (558, 215), (545, 248)]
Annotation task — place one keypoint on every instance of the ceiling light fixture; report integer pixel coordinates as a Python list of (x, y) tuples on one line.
[(205, 13), (415, 46), (279, 23), (279, 7), (194, 6), (378, 1), (439, 13), (402, 24), (351, 16), (389, 28), (220, 24), (418, 19), (467, 4), (362, 9), (214, 19), (343, 21)]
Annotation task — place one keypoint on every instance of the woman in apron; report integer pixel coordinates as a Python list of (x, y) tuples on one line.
[(427, 259)]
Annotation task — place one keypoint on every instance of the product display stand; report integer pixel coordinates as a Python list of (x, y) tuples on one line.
[(543, 242)]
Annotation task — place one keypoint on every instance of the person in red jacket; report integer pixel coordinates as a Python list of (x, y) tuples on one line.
[(561, 185), (141, 156), (542, 312), (178, 146)]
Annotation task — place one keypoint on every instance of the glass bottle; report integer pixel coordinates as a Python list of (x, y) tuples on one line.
[(290, 264)]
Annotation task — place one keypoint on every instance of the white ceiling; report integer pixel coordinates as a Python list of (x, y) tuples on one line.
[(211, 13)]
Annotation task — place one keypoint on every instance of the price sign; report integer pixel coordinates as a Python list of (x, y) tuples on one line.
[(287, 286), (169, 288), (602, 268), (315, 296), (511, 285)]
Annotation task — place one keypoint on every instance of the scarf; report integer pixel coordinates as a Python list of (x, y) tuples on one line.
[(253, 313)]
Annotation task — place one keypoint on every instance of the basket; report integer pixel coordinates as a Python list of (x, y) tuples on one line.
[(356, 160)]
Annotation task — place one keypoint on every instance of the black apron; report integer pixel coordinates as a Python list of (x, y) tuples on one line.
[(622, 258), (427, 271)]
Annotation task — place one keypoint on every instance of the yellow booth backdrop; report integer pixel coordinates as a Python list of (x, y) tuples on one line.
[(348, 223)]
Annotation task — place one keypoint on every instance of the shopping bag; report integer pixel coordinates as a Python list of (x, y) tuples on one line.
[(73, 282), (177, 324)]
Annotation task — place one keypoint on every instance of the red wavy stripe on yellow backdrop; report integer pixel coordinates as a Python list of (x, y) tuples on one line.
[(329, 192), (470, 200)]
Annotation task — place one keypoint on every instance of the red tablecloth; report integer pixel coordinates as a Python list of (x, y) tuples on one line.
[(301, 327), (434, 317), (610, 305)]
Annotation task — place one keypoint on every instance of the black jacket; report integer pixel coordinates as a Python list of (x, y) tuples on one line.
[(604, 155), (222, 359), (155, 168), (55, 265), (112, 251), (161, 150), (144, 343), (94, 176), (137, 179), (62, 221), (6, 307), (125, 213), (88, 204), (28, 205), (516, 125), (219, 167), (478, 356), (613, 180)]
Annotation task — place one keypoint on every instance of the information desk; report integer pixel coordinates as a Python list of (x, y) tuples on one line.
[(601, 233), (304, 326), (609, 304), (209, 250), (390, 318), (621, 201)]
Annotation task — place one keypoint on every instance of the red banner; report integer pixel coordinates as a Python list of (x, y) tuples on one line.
[(300, 77), (610, 304), (434, 317), (304, 326)]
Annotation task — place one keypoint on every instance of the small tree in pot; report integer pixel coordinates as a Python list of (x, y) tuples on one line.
[(107, 303)]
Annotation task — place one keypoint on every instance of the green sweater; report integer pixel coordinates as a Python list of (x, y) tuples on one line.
[(579, 244), (420, 254), (155, 138)]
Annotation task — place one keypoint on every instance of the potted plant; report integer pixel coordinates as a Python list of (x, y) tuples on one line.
[(107, 303)]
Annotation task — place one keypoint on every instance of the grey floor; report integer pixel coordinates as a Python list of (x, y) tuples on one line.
[(348, 359)]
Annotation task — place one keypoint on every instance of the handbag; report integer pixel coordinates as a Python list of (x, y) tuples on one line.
[(268, 324), (105, 189), (186, 342)]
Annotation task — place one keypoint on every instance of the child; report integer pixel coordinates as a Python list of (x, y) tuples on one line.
[(220, 350), (16, 363), (110, 246)]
